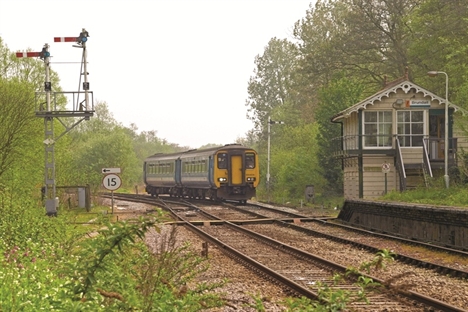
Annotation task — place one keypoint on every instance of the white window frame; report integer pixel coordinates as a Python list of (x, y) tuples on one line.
[(403, 136), (382, 141)]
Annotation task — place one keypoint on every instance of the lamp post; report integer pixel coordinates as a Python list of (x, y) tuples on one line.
[(270, 122), (446, 130)]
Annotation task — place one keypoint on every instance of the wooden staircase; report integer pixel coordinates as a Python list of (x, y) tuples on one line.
[(415, 176)]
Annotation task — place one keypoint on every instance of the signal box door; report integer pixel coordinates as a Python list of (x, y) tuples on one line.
[(437, 134)]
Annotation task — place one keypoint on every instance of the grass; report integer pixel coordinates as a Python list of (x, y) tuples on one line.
[(454, 196)]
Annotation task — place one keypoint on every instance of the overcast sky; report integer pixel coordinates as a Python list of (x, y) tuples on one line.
[(179, 67)]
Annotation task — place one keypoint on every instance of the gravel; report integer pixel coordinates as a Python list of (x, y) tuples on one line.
[(245, 286)]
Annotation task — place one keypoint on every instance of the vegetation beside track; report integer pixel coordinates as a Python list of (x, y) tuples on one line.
[(455, 196), (53, 265), (67, 263)]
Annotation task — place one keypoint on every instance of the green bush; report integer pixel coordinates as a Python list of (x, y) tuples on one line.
[(48, 264)]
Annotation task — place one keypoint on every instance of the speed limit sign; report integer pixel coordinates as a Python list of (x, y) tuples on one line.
[(111, 182)]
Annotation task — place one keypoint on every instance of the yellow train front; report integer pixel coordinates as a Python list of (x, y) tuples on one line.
[(236, 173), (230, 172)]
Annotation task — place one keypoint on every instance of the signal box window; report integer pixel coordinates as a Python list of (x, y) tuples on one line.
[(377, 129), (222, 161), (411, 128), (249, 160)]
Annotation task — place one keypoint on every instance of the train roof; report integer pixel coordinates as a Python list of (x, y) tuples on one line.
[(194, 152)]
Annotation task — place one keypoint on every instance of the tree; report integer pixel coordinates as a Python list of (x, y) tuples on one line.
[(367, 39), (19, 128), (30, 70), (336, 96), (102, 121), (377, 38), (99, 143), (294, 162), (439, 42), (103, 142), (270, 85), (113, 149), (21, 132)]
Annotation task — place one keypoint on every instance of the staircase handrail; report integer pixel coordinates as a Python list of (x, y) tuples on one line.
[(426, 161), (400, 165)]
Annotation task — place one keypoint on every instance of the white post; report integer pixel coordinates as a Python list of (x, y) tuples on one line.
[(446, 176), (446, 136)]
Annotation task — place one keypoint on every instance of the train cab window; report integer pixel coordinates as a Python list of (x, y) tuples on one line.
[(222, 161), (250, 160)]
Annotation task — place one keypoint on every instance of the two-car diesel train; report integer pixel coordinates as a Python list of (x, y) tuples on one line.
[(230, 172)]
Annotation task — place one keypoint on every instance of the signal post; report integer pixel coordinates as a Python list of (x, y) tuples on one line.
[(45, 109)]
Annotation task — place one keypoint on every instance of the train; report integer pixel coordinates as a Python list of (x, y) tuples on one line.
[(229, 172)]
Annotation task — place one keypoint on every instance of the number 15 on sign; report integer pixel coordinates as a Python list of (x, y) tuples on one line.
[(111, 182)]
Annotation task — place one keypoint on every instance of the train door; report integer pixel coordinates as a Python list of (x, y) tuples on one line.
[(210, 171), (178, 171), (236, 169)]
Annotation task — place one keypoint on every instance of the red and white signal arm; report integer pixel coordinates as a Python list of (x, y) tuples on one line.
[(111, 182)]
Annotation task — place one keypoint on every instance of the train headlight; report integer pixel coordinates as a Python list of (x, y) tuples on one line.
[(251, 179), (222, 179)]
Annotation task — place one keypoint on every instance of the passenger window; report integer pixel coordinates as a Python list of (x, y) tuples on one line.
[(222, 161), (250, 160)]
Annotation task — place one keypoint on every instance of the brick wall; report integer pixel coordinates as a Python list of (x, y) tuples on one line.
[(447, 226)]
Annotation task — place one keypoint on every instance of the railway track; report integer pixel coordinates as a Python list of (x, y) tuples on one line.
[(257, 250), (303, 272)]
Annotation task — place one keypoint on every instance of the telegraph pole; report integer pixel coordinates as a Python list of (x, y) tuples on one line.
[(50, 112)]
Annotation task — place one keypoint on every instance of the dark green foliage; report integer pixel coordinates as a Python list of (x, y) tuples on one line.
[(439, 43), (340, 94), (117, 270), (102, 142), (49, 265), (19, 128), (270, 86), (20, 223), (294, 163)]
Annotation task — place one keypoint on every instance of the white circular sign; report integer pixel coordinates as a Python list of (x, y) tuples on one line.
[(385, 167), (111, 182)]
